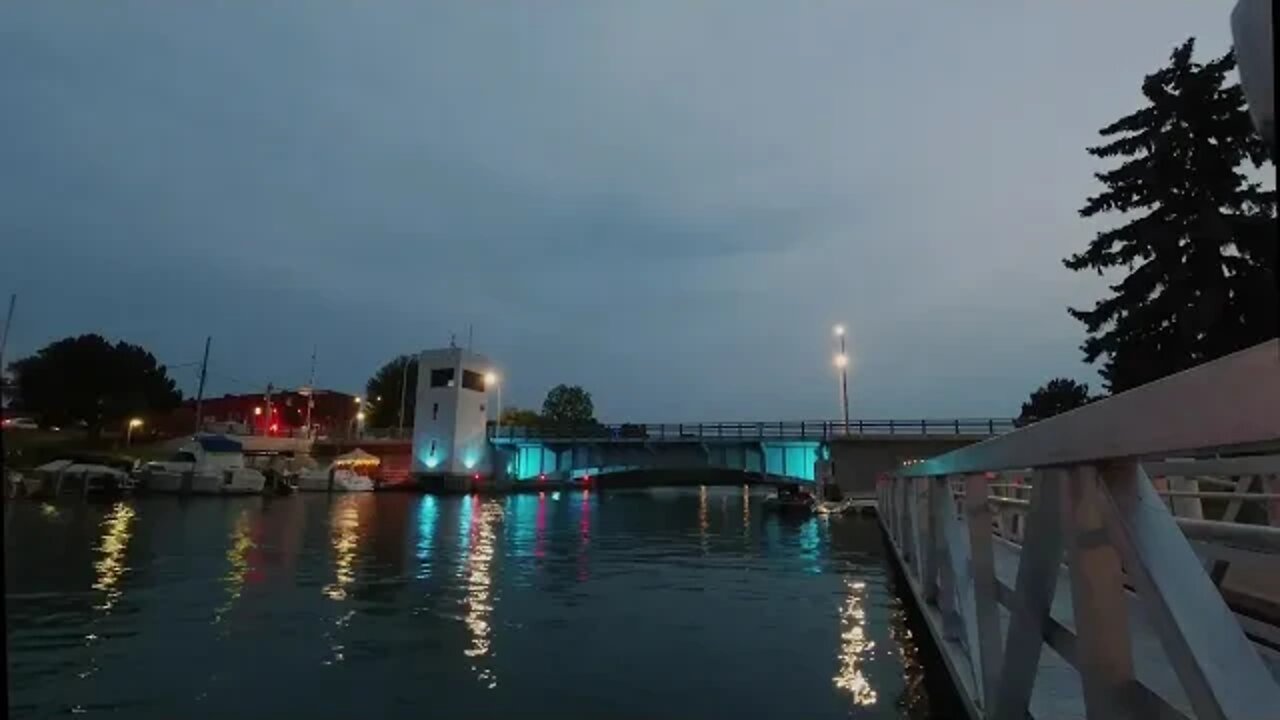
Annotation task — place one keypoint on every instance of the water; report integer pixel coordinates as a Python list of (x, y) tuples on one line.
[(635, 604)]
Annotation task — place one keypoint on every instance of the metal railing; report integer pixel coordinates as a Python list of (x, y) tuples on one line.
[(1090, 558), (768, 430)]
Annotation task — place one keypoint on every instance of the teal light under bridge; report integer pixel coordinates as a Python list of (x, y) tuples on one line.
[(792, 458)]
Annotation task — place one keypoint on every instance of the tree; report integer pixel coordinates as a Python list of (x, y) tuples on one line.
[(87, 379), (1053, 398), (1199, 236), (519, 417), (386, 384), (568, 405)]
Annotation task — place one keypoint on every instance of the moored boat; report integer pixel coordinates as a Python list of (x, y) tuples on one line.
[(347, 473), (790, 499), (208, 465)]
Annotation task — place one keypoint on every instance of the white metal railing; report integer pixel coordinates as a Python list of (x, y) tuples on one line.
[(1082, 534)]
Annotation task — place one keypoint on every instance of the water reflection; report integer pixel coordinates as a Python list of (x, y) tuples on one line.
[(703, 523), (238, 563), (479, 573), (854, 646), (428, 511), (914, 698), (115, 541), (345, 536), (584, 536)]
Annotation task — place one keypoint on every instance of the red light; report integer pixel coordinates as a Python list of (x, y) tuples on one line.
[(542, 477), (275, 427), (586, 478), (476, 476)]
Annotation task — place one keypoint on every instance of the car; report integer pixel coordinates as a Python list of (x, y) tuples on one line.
[(20, 423)]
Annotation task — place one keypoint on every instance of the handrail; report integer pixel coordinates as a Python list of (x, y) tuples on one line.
[(772, 429), (1102, 480), (1231, 401)]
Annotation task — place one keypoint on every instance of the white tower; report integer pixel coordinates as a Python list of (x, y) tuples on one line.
[(450, 417)]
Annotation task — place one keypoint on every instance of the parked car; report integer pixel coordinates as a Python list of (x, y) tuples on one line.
[(20, 423)]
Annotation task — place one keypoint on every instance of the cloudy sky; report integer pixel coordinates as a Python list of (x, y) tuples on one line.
[(669, 203)]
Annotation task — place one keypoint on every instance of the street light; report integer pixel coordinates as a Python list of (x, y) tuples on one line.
[(128, 434), (491, 379), (842, 362)]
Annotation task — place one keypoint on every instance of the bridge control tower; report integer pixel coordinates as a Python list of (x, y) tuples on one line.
[(449, 420)]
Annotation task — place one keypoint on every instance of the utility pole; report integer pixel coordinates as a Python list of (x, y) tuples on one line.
[(311, 390), (204, 371), (267, 429), (8, 322), (404, 390)]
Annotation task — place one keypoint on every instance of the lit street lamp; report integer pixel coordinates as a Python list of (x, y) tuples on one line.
[(128, 434), (842, 362)]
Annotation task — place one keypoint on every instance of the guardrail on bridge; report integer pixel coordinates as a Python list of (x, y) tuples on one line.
[(769, 430)]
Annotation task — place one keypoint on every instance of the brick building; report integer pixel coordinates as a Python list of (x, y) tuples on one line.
[(333, 415)]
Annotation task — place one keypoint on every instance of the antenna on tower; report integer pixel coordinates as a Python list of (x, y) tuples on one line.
[(470, 334)]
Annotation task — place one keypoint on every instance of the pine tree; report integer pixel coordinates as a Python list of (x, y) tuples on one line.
[(1200, 238)]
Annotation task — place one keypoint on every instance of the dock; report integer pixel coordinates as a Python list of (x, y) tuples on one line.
[(1118, 561)]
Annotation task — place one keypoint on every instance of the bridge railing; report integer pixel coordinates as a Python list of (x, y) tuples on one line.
[(772, 430), (1095, 565)]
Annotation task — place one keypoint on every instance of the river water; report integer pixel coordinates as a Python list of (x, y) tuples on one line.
[(686, 603)]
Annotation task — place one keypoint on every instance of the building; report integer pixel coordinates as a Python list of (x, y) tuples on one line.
[(449, 422), (283, 413)]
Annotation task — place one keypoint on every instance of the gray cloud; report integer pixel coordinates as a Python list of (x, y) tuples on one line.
[(669, 203)]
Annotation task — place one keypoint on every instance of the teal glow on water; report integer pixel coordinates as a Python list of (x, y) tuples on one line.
[(620, 604)]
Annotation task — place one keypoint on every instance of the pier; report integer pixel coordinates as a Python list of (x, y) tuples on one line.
[(1116, 561)]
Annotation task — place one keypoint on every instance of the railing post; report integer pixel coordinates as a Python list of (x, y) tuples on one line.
[(699, 430), (801, 429), (781, 432), (957, 426), (1104, 654), (890, 427), (846, 428), (1218, 666), (924, 428), (991, 426), (986, 607)]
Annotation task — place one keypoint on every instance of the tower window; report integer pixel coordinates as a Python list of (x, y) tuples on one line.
[(442, 377), (473, 380)]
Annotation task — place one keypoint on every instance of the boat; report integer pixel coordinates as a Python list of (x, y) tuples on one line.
[(347, 473), (790, 499), (80, 475), (207, 465)]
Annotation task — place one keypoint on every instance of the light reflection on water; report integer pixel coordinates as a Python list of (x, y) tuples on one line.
[(479, 601), (115, 541), (401, 594), (345, 536), (854, 646)]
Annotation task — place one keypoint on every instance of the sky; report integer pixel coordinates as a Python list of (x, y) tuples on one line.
[(669, 203)]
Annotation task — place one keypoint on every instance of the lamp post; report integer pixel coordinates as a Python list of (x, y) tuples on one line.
[(842, 362), (128, 433), (491, 379)]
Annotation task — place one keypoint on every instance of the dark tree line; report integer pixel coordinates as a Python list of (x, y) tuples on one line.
[(88, 380)]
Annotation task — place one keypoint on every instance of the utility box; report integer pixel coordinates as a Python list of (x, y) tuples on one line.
[(451, 415)]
